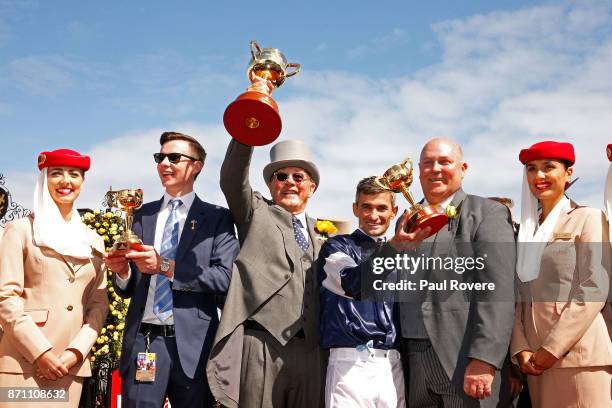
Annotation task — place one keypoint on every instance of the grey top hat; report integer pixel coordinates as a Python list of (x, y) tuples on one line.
[(291, 153)]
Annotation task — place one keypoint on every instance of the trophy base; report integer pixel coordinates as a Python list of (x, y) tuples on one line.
[(429, 216), (253, 119), (128, 241)]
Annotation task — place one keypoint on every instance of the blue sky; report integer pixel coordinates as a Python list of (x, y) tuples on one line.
[(378, 80)]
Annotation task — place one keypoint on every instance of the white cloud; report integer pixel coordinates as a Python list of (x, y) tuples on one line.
[(505, 81)]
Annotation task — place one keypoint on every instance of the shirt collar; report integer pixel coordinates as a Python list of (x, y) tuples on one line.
[(380, 238), (445, 202), (302, 217), (187, 200)]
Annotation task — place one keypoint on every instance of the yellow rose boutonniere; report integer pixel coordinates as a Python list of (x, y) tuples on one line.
[(451, 212), (325, 228)]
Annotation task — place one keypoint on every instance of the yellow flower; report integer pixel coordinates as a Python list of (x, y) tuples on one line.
[(119, 316), (451, 211), (97, 225), (108, 215), (100, 340), (101, 231), (111, 307), (105, 238), (92, 359), (120, 326), (111, 289), (325, 227), (103, 331)]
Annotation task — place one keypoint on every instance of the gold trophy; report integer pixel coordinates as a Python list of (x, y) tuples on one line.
[(126, 200), (397, 179), (253, 118)]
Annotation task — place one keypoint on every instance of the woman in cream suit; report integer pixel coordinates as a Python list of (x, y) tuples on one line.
[(53, 298), (560, 338)]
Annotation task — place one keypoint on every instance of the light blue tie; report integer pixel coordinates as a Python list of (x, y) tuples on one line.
[(162, 305)]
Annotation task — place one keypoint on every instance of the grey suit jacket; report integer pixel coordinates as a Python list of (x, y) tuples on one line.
[(461, 328), (268, 258)]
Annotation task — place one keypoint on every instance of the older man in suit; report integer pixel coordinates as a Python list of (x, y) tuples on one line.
[(266, 350), (173, 282), (454, 344)]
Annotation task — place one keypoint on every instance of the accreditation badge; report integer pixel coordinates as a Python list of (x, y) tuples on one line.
[(145, 367)]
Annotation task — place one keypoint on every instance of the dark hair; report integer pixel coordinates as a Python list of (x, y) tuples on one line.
[(196, 147), (369, 186)]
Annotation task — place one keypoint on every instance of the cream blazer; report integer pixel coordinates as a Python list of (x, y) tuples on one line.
[(47, 301), (574, 266)]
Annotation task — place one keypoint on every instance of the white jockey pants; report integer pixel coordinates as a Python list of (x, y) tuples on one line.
[(367, 378)]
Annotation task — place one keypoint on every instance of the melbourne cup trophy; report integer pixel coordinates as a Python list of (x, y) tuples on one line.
[(398, 178), (127, 200), (253, 118)]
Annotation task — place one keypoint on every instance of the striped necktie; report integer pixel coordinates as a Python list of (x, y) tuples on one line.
[(162, 304)]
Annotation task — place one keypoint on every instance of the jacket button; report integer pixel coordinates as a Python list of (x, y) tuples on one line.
[(71, 280), (69, 308), (287, 277)]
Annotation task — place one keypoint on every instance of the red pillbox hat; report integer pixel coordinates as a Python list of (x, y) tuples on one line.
[(548, 150), (64, 158)]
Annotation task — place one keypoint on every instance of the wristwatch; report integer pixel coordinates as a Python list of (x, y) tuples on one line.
[(165, 265)]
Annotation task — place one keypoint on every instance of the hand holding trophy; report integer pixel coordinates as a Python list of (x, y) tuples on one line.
[(126, 200), (398, 178), (253, 118)]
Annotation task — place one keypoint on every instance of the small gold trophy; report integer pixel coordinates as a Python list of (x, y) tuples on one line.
[(253, 118), (126, 200), (397, 179)]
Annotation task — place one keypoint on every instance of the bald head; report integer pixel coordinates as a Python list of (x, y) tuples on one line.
[(441, 169), (445, 143)]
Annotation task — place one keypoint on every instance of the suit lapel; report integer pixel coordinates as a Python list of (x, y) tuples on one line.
[(149, 221), (316, 244), (195, 220), (283, 220)]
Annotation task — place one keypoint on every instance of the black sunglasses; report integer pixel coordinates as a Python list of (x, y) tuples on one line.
[(172, 157), (297, 177)]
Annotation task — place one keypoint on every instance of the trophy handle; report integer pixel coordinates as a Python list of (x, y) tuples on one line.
[(296, 69), (382, 183), (407, 160), (255, 47)]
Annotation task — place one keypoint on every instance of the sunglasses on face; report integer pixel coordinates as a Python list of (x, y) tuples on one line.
[(296, 177), (172, 157)]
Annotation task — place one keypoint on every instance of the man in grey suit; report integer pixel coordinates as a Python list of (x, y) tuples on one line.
[(266, 351), (454, 346)]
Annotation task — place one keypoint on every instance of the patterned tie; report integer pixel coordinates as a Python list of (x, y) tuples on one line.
[(162, 305), (299, 235)]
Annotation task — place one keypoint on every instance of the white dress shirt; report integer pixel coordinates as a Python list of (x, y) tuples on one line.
[(162, 217)]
